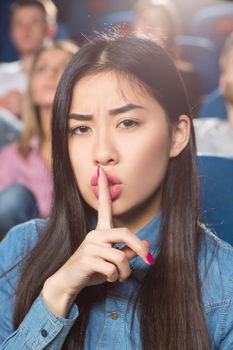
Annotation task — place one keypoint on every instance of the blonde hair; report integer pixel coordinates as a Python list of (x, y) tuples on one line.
[(51, 11), (30, 113)]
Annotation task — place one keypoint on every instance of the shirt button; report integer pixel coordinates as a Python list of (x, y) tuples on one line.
[(44, 333), (114, 315)]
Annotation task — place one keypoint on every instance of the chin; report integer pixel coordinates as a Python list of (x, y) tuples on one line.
[(119, 209)]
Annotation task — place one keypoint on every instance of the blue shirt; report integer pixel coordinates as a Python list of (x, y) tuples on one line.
[(110, 321)]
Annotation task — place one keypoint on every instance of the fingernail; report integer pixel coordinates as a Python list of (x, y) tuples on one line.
[(150, 258), (98, 171)]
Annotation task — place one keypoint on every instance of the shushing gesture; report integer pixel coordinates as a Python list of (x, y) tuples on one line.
[(96, 260)]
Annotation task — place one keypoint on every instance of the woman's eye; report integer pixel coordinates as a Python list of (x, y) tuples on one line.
[(80, 130), (128, 124)]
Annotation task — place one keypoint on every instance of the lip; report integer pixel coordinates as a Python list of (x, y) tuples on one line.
[(115, 186)]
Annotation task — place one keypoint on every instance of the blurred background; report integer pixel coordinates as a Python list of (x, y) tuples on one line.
[(83, 17), (199, 20)]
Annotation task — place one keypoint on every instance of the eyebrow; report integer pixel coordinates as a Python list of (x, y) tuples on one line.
[(112, 112), (124, 109)]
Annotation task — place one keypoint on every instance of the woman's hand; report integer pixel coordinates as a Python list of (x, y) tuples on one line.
[(96, 260)]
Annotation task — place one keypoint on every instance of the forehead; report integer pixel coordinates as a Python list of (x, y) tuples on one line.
[(25, 11), (109, 90), (49, 54), (114, 83)]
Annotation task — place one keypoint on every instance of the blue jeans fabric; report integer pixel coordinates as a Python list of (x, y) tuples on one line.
[(17, 205)]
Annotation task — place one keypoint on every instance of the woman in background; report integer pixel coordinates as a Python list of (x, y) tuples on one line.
[(25, 176)]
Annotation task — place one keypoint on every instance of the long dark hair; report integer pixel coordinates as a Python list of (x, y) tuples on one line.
[(171, 310)]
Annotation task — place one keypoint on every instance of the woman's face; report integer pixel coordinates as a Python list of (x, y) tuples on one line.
[(47, 72), (124, 130), (153, 22)]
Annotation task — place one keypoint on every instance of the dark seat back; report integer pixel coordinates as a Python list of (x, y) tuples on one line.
[(216, 184)]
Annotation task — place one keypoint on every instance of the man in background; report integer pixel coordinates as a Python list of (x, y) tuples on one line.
[(215, 135), (31, 23)]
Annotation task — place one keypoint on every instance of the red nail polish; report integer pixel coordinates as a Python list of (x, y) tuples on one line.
[(150, 258), (98, 171)]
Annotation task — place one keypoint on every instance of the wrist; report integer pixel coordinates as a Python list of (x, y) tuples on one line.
[(56, 299)]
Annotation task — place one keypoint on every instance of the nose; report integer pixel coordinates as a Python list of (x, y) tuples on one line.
[(105, 150)]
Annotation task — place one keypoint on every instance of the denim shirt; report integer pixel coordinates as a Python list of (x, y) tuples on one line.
[(109, 324)]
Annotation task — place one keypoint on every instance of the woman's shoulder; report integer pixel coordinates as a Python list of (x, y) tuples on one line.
[(214, 243), (216, 269), (19, 241), (216, 251), (216, 277)]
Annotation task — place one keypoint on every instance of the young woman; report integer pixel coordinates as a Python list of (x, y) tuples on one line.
[(27, 162), (122, 263)]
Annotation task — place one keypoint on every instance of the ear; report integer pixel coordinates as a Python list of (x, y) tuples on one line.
[(180, 135), (52, 31)]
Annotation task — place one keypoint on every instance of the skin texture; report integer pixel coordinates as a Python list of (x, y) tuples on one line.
[(135, 146), (226, 85), (153, 22), (46, 75), (28, 29), (226, 79), (158, 24)]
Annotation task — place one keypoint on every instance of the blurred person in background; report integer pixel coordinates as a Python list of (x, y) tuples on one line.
[(31, 22), (160, 20), (215, 135), (27, 162)]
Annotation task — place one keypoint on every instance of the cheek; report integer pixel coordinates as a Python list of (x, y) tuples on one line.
[(36, 95), (149, 161), (73, 157), (41, 96), (153, 149), (36, 88), (79, 160), (230, 80), (17, 35), (38, 33)]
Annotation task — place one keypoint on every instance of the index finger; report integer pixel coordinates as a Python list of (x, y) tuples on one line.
[(104, 221)]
